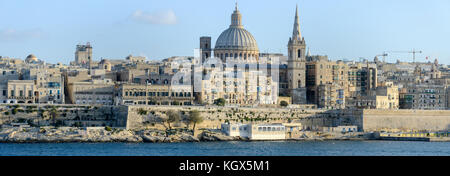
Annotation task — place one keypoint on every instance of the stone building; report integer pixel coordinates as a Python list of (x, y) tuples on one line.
[(105, 65), (331, 96), (244, 89), (320, 71), (49, 84), (5, 76), (296, 64), (136, 59), (434, 73), (425, 96), (387, 96), (361, 78), (205, 46), (93, 92), (21, 91), (83, 55), (131, 75), (147, 94)]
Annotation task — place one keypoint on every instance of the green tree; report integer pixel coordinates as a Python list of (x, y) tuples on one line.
[(284, 103), (142, 111), (14, 111), (172, 117), (53, 115), (219, 102), (195, 118)]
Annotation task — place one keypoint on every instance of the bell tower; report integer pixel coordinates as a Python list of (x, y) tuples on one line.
[(296, 64), (205, 46)]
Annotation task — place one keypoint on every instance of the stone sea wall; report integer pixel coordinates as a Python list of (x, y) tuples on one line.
[(311, 119), (406, 120), (66, 115)]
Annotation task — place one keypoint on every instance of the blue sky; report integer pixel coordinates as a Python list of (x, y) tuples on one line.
[(344, 29)]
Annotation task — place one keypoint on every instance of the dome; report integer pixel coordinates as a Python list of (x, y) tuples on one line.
[(31, 58), (236, 37)]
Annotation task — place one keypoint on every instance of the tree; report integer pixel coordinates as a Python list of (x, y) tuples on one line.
[(195, 118), (177, 103), (142, 111), (283, 103), (53, 115), (219, 102), (172, 117), (14, 111)]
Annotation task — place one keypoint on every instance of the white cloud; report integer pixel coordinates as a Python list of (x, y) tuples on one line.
[(167, 17), (19, 35)]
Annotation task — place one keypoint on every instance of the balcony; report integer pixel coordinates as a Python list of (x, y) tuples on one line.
[(20, 98)]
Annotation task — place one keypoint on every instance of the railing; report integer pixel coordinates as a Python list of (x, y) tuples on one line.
[(20, 97)]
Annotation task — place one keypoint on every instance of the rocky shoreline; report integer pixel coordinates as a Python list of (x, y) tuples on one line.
[(101, 134), (73, 134)]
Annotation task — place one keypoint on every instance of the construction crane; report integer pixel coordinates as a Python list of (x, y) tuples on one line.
[(414, 51), (384, 56)]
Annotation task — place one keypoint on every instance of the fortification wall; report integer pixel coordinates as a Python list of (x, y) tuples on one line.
[(214, 116), (406, 120), (66, 115)]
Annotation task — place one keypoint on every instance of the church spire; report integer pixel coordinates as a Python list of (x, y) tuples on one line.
[(296, 34)]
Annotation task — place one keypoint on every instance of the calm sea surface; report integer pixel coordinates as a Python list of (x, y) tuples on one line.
[(303, 148)]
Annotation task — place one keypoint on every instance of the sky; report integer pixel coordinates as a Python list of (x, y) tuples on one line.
[(344, 29)]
